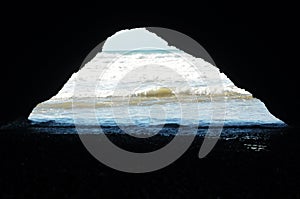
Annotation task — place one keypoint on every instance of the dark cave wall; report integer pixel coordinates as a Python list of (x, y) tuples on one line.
[(39, 58)]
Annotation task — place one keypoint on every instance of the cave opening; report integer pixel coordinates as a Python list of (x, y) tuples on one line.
[(138, 78)]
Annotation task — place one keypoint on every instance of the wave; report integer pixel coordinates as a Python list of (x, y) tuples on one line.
[(160, 96), (204, 91), (130, 84), (156, 92), (163, 92), (157, 78)]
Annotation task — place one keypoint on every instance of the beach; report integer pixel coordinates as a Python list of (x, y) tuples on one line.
[(43, 165)]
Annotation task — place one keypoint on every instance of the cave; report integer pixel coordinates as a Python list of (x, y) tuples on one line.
[(255, 57), (253, 44), (132, 48)]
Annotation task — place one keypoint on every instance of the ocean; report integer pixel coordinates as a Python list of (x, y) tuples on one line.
[(142, 91)]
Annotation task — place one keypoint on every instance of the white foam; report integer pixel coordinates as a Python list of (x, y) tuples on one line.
[(111, 68)]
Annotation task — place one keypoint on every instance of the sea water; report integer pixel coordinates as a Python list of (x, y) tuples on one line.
[(145, 89)]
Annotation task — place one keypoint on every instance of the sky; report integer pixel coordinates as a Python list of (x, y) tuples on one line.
[(134, 39)]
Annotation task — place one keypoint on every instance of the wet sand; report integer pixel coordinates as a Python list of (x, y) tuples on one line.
[(39, 165)]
